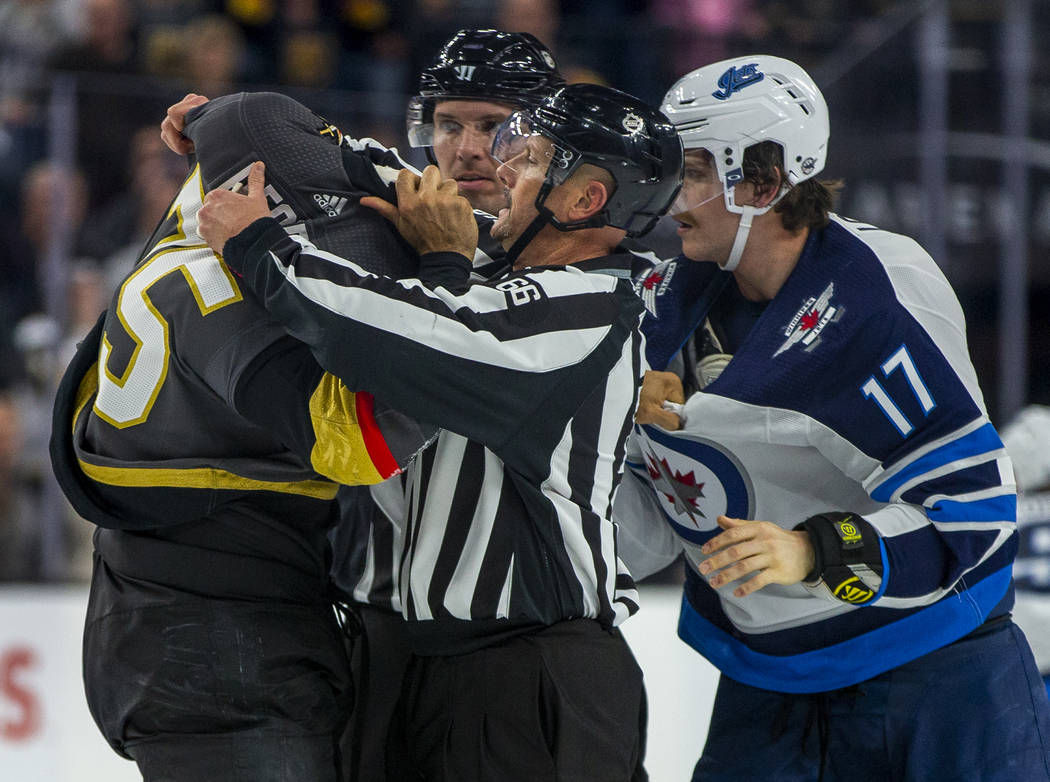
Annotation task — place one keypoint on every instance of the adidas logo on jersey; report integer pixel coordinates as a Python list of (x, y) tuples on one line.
[(332, 205)]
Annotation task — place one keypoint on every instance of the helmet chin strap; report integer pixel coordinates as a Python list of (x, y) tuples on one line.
[(527, 235), (543, 216), (747, 214)]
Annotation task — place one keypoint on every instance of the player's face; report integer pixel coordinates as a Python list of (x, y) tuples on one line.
[(523, 175), (463, 131), (705, 226)]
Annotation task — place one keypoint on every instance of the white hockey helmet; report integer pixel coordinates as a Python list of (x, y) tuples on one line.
[(730, 105)]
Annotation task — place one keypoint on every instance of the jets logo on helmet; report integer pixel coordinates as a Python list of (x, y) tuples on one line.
[(735, 79)]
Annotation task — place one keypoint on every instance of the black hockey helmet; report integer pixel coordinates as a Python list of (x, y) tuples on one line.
[(614, 131), (489, 65)]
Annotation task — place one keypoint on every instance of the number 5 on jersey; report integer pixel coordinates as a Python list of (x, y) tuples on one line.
[(125, 396)]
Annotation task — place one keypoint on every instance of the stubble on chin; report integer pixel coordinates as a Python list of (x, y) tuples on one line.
[(500, 229)]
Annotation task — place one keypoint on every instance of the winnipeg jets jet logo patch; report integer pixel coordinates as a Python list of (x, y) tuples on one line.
[(696, 481), (681, 491), (811, 319)]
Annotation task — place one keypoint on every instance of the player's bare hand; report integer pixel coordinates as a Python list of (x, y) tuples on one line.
[(172, 126), (430, 214), (769, 554), (657, 388), (226, 213)]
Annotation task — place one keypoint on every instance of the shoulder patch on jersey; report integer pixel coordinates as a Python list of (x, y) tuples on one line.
[(653, 283), (330, 131), (810, 321)]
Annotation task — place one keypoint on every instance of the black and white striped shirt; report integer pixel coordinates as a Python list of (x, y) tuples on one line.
[(368, 542), (534, 378)]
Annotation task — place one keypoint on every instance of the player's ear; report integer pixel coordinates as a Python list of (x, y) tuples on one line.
[(764, 193)]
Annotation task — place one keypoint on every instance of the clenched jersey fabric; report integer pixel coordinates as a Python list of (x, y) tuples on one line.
[(852, 391), (534, 379), (207, 445)]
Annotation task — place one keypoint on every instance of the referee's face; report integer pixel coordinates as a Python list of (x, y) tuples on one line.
[(523, 176)]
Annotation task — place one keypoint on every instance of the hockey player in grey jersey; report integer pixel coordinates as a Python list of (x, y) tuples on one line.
[(208, 445)]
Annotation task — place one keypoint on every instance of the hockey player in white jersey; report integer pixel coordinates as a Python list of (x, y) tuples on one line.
[(846, 508)]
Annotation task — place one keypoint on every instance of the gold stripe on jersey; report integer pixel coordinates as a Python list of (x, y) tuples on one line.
[(188, 477), (339, 451)]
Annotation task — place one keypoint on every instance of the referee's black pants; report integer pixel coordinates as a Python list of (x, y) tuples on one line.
[(564, 703)]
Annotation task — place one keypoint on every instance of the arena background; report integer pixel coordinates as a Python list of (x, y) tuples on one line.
[(940, 117)]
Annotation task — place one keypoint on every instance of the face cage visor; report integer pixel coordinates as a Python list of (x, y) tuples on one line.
[(519, 145), (703, 182), (425, 131)]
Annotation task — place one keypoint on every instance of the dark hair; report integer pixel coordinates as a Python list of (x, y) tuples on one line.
[(806, 204)]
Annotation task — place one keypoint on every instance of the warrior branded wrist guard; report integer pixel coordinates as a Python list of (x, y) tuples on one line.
[(848, 562)]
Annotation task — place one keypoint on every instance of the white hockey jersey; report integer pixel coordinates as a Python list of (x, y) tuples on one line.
[(852, 392)]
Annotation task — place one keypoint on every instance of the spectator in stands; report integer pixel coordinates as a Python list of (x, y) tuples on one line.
[(18, 549), (115, 237), (29, 31), (51, 198), (214, 50), (108, 43), (206, 54), (112, 93)]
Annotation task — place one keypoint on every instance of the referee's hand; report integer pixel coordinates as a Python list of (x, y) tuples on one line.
[(430, 214), (226, 212)]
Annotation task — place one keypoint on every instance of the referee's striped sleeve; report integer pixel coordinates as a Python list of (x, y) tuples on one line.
[(425, 352)]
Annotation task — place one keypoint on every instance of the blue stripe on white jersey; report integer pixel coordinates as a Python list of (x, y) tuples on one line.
[(978, 443), (851, 660)]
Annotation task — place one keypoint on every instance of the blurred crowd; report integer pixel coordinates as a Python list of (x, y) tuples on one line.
[(84, 176)]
